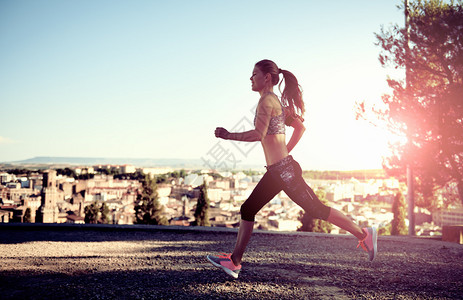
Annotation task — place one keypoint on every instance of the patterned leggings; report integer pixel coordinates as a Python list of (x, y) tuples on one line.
[(284, 175)]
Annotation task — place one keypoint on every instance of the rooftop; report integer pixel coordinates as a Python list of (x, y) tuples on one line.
[(151, 262)]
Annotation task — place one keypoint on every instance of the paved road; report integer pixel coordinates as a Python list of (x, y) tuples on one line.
[(119, 263)]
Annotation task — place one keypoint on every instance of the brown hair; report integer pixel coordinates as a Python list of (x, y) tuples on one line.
[(291, 96)]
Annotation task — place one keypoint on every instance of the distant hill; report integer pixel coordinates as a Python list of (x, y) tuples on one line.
[(90, 161), (138, 162), (345, 175), (43, 162)]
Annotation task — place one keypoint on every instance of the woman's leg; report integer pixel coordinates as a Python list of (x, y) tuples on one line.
[(265, 190), (298, 190), (242, 240), (341, 220), (303, 195)]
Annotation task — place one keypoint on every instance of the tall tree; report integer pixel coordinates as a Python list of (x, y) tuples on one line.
[(27, 216), (91, 213), (148, 209), (427, 108), (310, 224), (202, 207), (104, 211), (399, 210)]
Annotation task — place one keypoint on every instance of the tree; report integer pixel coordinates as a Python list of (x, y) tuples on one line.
[(310, 224), (148, 209), (385, 230), (426, 108), (202, 207), (178, 174), (137, 175), (104, 210), (398, 226), (27, 216), (66, 172), (91, 213), (162, 178)]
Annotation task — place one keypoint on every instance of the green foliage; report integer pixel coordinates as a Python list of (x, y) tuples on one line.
[(216, 176), (138, 175), (426, 109), (178, 174), (202, 207), (72, 174), (23, 171), (66, 172), (398, 226), (148, 210), (162, 178), (91, 213), (251, 172), (106, 171), (85, 176), (166, 177), (385, 230), (344, 175), (310, 224), (27, 216)]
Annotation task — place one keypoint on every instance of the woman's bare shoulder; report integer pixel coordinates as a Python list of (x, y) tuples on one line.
[(270, 100)]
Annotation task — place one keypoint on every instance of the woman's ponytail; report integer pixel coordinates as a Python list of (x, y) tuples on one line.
[(291, 97)]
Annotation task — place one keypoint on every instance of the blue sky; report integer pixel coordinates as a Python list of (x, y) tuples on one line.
[(152, 79)]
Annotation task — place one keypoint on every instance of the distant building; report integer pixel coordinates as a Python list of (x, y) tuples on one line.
[(195, 180), (48, 212), (126, 169), (5, 178), (157, 171), (218, 194), (18, 194), (340, 191)]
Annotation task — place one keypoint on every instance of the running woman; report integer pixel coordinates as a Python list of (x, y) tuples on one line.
[(283, 172)]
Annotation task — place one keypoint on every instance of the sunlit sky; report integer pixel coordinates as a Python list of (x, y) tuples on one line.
[(152, 79)]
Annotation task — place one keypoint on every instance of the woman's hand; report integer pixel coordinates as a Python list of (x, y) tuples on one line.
[(292, 116), (221, 133)]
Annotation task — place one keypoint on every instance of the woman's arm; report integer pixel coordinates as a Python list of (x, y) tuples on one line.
[(299, 129), (264, 112), (246, 136)]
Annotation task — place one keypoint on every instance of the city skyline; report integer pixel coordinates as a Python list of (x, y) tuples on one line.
[(153, 79)]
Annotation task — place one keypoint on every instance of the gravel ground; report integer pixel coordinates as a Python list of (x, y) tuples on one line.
[(40, 262)]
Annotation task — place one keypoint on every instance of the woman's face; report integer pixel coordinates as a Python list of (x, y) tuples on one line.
[(257, 80)]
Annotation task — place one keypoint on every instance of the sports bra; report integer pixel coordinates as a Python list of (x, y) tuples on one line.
[(277, 123)]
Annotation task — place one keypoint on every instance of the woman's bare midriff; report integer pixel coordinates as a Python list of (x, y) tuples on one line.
[(274, 148)]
